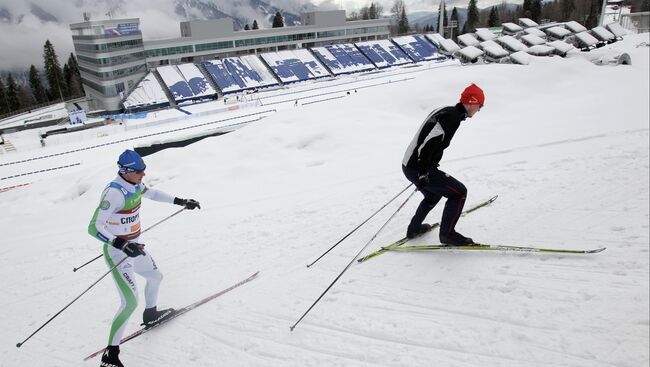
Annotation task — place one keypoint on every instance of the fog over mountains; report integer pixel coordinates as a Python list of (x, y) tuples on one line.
[(25, 26)]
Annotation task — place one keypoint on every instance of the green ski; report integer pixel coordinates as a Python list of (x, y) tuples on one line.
[(433, 226)]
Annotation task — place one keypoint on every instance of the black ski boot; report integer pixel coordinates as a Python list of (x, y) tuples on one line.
[(456, 239), (110, 357), (152, 317), (414, 232)]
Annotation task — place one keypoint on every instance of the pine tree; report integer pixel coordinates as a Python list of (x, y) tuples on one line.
[(493, 20), (36, 86), (12, 93), (53, 72), (73, 81), (247, 27), (4, 105), (255, 26), (536, 10), (568, 6), (278, 21), (403, 23), (472, 17), (372, 11)]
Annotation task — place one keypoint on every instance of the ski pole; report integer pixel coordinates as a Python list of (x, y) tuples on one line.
[(351, 262), (18, 345), (155, 224), (359, 226)]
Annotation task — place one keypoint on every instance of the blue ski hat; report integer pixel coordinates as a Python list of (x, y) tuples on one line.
[(130, 161)]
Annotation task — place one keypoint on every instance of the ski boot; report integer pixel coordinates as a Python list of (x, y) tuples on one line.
[(456, 239), (110, 357), (417, 231), (152, 317)]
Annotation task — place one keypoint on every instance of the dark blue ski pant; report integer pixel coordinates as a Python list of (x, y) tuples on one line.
[(440, 184)]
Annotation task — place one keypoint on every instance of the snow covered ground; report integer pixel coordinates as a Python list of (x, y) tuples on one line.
[(563, 142)]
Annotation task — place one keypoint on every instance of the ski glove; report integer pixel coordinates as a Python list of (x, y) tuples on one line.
[(423, 180), (190, 204), (131, 249)]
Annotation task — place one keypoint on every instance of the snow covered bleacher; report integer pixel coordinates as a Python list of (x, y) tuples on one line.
[(527, 23), (383, 53), (485, 34), (418, 48), (468, 39), (557, 33), (574, 27), (511, 29), (235, 74), (294, 65), (511, 44), (617, 30), (469, 54), (445, 46), (343, 58), (561, 48), (175, 82), (147, 93), (195, 79), (603, 35), (535, 32)]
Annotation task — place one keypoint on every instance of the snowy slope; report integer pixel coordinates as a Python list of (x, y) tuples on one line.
[(563, 142)]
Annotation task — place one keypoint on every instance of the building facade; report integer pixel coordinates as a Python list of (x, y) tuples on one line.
[(113, 57)]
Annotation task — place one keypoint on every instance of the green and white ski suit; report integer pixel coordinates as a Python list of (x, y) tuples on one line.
[(118, 215)]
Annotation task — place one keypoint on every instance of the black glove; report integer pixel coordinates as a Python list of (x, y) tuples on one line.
[(131, 249), (423, 180), (190, 204)]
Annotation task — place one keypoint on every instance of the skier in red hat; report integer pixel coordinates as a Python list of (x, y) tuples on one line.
[(421, 162)]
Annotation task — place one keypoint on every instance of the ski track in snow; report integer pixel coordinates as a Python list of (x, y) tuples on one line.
[(561, 141)]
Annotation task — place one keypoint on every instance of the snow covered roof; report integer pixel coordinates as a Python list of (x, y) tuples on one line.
[(558, 32), (575, 27), (541, 50), (485, 34), (602, 34), (616, 29), (495, 52), (532, 40), (536, 32), (527, 23), (511, 28), (469, 53), (511, 43), (520, 57), (468, 39), (448, 46), (561, 47), (585, 39)]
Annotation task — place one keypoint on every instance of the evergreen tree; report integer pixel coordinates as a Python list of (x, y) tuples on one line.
[(4, 105), (536, 10), (472, 17), (364, 13), (36, 86), (255, 26), (247, 28), (53, 72), (372, 11), (403, 21), (73, 81), (645, 5), (12, 93), (493, 20), (454, 17), (526, 8), (278, 21), (568, 7)]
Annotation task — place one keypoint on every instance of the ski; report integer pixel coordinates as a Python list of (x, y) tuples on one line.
[(178, 312), (483, 247), (433, 226)]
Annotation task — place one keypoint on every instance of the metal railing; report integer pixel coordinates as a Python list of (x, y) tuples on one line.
[(636, 22)]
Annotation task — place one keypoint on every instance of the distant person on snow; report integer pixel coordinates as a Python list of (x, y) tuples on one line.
[(421, 161), (116, 222)]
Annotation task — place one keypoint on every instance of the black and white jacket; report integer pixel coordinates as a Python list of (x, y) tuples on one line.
[(435, 134)]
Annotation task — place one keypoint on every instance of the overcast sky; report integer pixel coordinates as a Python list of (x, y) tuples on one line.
[(22, 34)]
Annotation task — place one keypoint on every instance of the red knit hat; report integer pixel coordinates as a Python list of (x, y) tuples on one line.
[(472, 95)]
